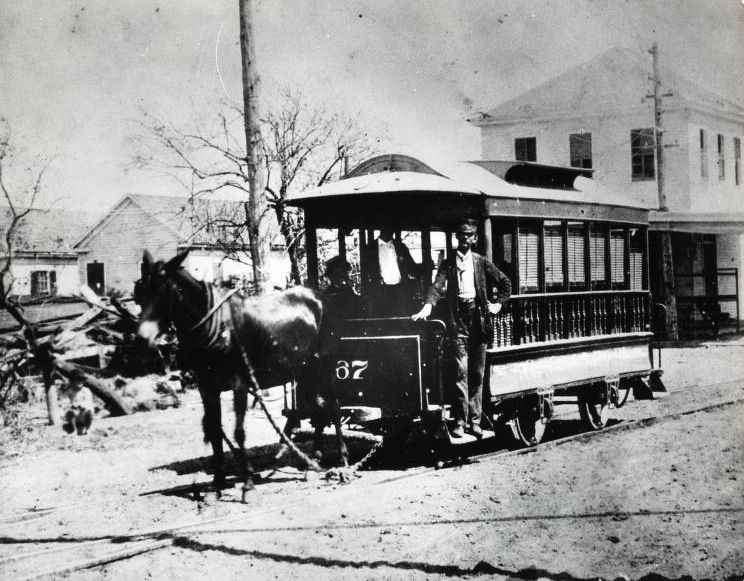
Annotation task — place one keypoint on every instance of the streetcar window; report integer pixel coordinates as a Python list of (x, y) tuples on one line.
[(637, 242), (553, 257), (576, 260), (529, 246), (597, 257), (617, 258)]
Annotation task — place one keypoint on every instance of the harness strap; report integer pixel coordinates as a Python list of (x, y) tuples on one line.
[(213, 310)]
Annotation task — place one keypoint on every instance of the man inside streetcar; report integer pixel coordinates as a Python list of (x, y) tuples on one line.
[(392, 274), (474, 289), (339, 299)]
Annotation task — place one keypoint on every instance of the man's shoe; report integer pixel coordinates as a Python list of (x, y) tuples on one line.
[(458, 431), (477, 431)]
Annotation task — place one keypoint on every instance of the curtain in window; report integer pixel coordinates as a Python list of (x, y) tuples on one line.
[(529, 239), (553, 256)]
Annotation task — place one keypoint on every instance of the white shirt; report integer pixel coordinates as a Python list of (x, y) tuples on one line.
[(465, 275), (388, 258)]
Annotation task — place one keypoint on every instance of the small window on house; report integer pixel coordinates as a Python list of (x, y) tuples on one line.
[(703, 154), (576, 260), (580, 145), (43, 283), (737, 161), (721, 158), (642, 154), (525, 149), (553, 245), (529, 245)]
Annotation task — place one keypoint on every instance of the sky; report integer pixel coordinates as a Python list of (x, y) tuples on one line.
[(75, 75)]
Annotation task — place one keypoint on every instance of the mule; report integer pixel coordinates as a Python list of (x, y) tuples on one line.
[(227, 340)]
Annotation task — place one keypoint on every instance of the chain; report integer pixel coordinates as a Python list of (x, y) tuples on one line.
[(343, 474)]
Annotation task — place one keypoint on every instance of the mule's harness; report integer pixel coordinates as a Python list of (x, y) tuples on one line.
[(210, 313)]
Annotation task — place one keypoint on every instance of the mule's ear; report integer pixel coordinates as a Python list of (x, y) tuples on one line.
[(146, 263), (175, 263)]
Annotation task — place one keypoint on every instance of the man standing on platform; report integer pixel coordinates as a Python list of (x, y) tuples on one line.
[(475, 289), (392, 274)]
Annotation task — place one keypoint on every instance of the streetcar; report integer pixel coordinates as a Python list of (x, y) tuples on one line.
[(577, 328)]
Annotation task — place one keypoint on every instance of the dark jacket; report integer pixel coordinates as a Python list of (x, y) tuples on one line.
[(409, 269), (491, 285)]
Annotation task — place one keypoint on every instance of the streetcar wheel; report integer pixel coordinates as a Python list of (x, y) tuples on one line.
[(528, 426), (593, 411)]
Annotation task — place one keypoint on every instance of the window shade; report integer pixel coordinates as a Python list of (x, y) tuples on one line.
[(636, 261), (597, 256), (617, 258), (529, 239), (553, 256), (576, 266)]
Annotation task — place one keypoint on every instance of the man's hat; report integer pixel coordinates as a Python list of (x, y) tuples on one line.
[(336, 263), (468, 227)]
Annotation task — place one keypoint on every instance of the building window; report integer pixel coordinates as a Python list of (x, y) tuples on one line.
[(721, 159), (525, 149), (580, 145), (737, 160), (703, 154), (642, 154), (43, 283)]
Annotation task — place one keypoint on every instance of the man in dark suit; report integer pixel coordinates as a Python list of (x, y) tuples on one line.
[(475, 289), (391, 274)]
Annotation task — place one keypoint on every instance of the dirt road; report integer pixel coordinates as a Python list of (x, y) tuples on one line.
[(663, 497)]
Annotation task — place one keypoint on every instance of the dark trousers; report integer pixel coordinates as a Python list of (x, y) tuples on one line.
[(469, 354)]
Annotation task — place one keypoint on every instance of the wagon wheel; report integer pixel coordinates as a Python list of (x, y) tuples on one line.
[(594, 409), (528, 426)]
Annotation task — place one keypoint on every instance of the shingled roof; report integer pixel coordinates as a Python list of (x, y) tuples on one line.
[(48, 231), (192, 222), (617, 80)]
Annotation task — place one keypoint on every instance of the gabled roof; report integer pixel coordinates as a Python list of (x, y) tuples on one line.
[(48, 231), (615, 81), (190, 221)]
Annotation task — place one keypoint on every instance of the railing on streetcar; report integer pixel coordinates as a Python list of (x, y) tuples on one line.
[(541, 318)]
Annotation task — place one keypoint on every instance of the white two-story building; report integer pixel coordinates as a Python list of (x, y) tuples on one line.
[(599, 115)]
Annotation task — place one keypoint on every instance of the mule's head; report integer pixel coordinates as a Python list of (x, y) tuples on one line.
[(157, 293)]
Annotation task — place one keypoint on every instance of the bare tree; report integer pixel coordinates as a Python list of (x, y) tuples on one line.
[(300, 143), (303, 144), (21, 185)]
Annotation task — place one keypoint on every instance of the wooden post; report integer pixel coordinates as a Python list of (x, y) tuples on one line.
[(667, 258), (251, 84)]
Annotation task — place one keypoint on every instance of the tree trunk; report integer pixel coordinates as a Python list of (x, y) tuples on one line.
[(51, 403)]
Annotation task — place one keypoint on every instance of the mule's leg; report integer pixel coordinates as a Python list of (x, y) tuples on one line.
[(240, 404), (212, 424), (342, 451), (318, 421)]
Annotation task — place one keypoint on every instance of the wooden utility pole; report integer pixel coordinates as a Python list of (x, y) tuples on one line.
[(251, 83), (667, 260)]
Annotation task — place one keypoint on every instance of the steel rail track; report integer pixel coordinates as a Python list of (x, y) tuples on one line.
[(123, 547)]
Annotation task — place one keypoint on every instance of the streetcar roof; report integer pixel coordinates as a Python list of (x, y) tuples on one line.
[(394, 173)]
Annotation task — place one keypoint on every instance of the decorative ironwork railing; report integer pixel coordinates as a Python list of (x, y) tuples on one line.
[(541, 318)]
